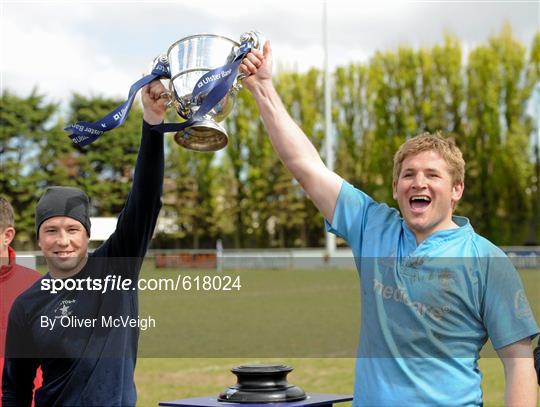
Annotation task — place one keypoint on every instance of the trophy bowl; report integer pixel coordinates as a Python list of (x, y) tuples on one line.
[(189, 59), (203, 84)]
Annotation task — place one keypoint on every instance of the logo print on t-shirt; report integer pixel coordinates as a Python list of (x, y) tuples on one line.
[(521, 305), (63, 308)]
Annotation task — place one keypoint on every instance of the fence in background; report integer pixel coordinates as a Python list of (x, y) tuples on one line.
[(521, 256)]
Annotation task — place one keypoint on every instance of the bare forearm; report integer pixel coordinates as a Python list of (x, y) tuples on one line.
[(296, 151), (521, 388), (289, 141), (291, 144)]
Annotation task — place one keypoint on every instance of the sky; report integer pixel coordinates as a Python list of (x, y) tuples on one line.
[(101, 48)]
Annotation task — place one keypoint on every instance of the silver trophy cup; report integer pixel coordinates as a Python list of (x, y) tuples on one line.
[(189, 59)]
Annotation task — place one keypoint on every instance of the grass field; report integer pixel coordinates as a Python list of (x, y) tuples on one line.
[(171, 379), (306, 319)]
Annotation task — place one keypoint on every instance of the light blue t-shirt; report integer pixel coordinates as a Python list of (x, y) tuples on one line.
[(427, 309)]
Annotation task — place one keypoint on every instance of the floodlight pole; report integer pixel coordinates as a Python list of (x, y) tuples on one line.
[(536, 101), (329, 137)]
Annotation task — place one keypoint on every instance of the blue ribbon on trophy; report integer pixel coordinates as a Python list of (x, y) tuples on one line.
[(209, 101), (84, 133)]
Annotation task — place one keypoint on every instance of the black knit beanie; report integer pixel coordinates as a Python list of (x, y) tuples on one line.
[(63, 201)]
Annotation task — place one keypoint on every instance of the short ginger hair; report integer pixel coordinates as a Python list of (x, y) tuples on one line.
[(445, 147)]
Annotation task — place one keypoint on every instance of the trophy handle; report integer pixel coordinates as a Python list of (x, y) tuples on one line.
[(169, 96), (257, 41), (254, 37)]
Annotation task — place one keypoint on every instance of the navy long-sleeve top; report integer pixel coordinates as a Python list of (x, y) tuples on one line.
[(89, 365)]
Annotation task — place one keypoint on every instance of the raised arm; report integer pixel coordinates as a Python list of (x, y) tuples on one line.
[(289, 141), (137, 221)]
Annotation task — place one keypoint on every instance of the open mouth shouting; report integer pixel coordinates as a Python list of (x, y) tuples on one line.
[(419, 203)]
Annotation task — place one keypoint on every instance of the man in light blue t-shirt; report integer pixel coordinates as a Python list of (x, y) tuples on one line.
[(433, 291)]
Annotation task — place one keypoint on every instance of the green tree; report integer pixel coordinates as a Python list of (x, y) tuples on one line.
[(245, 196), (104, 168), (533, 80), (189, 201), (352, 122), (24, 124), (303, 97), (497, 138), (236, 209)]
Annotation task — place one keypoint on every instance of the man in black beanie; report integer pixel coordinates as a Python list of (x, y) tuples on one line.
[(67, 208), (86, 365)]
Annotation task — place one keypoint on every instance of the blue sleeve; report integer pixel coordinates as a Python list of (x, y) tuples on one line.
[(507, 315), (354, 209), (138, 219)]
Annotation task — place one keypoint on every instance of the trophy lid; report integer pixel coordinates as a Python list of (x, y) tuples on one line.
[(261, 369)]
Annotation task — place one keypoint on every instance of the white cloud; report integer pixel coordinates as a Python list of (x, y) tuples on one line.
[(57, 63), (103, 47)]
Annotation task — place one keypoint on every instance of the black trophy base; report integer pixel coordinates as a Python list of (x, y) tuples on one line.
[(262, 384)]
